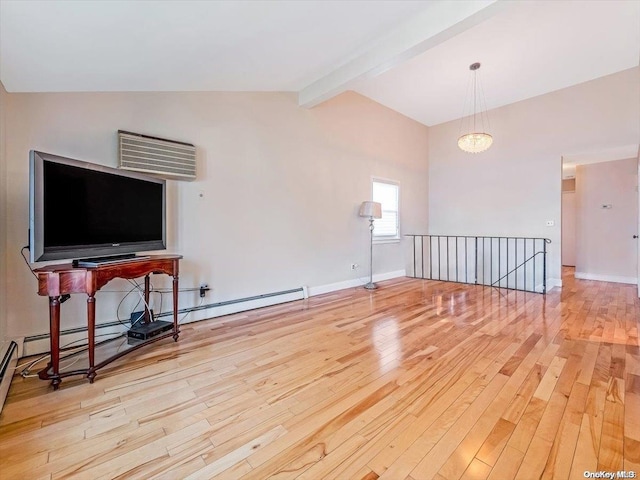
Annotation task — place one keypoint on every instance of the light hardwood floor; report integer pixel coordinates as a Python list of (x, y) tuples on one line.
[(416, 380)]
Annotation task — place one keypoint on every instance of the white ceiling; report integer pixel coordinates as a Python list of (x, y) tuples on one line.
[(412, 56), (164, 45), (527, 49)]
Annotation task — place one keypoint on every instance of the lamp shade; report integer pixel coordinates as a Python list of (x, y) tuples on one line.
[(371, 209)]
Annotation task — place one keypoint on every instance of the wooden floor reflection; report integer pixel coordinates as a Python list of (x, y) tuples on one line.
[(415, 380)]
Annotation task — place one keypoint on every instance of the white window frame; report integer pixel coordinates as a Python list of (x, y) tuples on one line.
[(387, 238)]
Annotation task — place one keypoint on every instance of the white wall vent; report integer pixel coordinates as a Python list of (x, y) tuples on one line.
[(166, 158)]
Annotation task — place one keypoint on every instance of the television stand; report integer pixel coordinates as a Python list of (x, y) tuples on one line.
[(54, 281), (113, 259)]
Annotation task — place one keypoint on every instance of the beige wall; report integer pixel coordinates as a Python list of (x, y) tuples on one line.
[(605, 247), (3, 229), (275, 203), (515, 187)]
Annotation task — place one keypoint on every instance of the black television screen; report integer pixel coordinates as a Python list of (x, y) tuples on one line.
[(80, 209)]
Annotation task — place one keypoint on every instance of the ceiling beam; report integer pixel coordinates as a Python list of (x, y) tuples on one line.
[(441, 21)]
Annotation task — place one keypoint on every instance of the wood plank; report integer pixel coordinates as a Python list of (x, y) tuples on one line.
[(564, 445), (507, 465), (548, 382), (241, 453), (585, 458), (631, 455), (496, 441), (477, 470), (611, 453)]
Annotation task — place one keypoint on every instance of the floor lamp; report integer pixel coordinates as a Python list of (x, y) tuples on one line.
[(372, 210)]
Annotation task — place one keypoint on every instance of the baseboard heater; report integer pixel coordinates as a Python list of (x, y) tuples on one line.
[(6, 370), (70, 331)]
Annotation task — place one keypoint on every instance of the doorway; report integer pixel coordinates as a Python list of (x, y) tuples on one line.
[(600, 214), (568, 255)]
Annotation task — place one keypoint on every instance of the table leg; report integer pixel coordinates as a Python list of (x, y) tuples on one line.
[(175, 307), (91, 326), (54, 340)]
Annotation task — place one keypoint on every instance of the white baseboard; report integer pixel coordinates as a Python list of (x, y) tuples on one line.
[(239, 307), (553, 283), (606, 278), (8, 350), (356, 282)]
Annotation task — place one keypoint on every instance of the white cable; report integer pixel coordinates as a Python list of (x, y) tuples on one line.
[(69, 364), (140, 291), (25, 372), (31, 363), (120, 304)]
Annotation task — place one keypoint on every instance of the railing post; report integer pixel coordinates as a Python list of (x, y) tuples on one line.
[(415, 273), (439, 259), (525, 265), (535, 277), (466, 261), (476, 261), (422, 254), (456, 262), (499, 260), (447, 258), (544, 267), (430, 257)]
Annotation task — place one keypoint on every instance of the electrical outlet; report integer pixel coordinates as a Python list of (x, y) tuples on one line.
[(354, 266), (204, 288)]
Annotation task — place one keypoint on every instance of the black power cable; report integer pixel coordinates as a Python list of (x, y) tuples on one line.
[(27, 261)]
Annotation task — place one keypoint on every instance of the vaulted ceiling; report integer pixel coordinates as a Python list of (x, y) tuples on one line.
[(411, 56)]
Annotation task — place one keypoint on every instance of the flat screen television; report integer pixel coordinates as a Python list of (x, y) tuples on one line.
[(79, 209)]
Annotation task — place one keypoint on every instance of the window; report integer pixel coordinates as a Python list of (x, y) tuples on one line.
[(387, 193)]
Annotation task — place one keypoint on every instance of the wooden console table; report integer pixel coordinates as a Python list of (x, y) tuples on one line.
[(57, 280)]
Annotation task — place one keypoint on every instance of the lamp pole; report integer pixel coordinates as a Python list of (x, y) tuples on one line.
[(371, 285), (371, 210)]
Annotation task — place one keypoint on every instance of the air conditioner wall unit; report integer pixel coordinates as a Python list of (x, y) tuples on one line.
[(157, 156)]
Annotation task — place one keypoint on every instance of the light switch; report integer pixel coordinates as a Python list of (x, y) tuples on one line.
[(550, 223), (607, 206)]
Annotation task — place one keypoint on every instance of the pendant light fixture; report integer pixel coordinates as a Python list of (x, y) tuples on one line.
[(477, 139)]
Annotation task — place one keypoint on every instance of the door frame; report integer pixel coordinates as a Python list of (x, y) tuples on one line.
[(638, 223)]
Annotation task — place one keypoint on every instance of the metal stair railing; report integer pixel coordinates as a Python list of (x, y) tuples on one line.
[(515, 263)]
